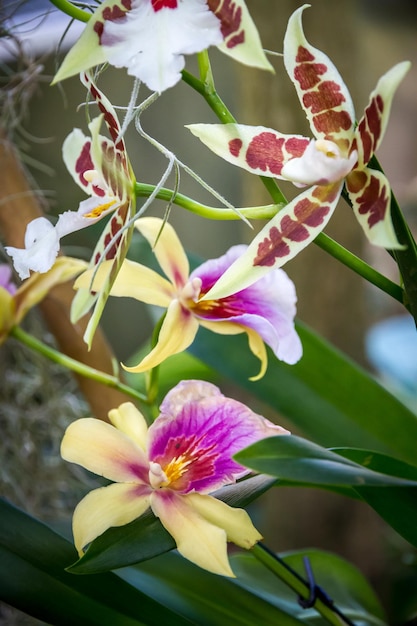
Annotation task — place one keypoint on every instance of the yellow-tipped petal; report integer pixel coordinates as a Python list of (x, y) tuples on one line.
[(104, 450), (167, 248), (130, 421), (133, 281), (236, 522), (177, 333), (198, 540), (114, 505)]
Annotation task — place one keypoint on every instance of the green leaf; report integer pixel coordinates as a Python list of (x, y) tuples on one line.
[(33, 579), (340, 580), (145, 537), (297, 460), (204, 598), (326, 396)]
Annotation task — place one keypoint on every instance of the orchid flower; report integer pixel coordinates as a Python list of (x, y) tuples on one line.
[(338, 154), (101, 169), (16, 302), (171, 467), (265, 311), (151, 37)]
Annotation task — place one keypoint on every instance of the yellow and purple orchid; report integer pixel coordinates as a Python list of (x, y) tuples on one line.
[(265, 311), (16, 302), (172, 467), (339, 154), (151, 37)]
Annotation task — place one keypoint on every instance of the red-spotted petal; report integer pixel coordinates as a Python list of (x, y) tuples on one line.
[(257, 149), (370, 193), (240, 37), (289, 232), (320, 88), (371, 128)]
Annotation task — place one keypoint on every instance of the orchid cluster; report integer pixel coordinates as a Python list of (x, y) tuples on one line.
[(175, 457)]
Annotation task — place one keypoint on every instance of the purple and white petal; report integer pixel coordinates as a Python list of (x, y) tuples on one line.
[(204, 435), (6, 279)]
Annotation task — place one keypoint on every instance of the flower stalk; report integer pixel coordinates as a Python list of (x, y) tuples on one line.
[(75, 366)]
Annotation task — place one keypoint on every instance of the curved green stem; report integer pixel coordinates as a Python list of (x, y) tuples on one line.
[(67, 7), (288, 576), (213, 213), (207, 90), (73, 365)]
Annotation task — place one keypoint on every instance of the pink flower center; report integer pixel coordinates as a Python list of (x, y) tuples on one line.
[(157, 5)]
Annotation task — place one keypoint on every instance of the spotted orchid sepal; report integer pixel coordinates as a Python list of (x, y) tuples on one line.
[(338, 154), (151, 37), (16, 302), (101, 167), (172, 468), (265, 311)]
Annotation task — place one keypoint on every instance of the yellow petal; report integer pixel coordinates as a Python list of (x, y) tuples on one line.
[(198, 540), (114, 505), (38, 286), (7, 313), (236, 522), (256, 343), (168, 248), (177, 333), (104, 450), (130, 421), (133, 281)]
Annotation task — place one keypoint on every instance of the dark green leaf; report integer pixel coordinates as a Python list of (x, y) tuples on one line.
[(204, 598), (33, 579), (298, 460), (327, 396)]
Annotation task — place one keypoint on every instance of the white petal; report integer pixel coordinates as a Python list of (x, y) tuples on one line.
[(41, 248), (321, 164), (151, 44)]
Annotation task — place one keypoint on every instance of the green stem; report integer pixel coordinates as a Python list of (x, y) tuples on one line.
[(67, 7), (73, 365), (323, 241), (295, 582), (213, 213)]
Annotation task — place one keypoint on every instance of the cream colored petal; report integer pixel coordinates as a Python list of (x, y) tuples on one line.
[(130, 421), (114, 505), (7, 313), (133, 281), (177, 333), (256, 343), (236, 522), (168, 248), (198, 540), (104, 450), (35, 288)]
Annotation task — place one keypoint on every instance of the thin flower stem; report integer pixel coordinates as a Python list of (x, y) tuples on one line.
[(293, 580), (73, 365), (323, 241), (67, 7), (265, 212)]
